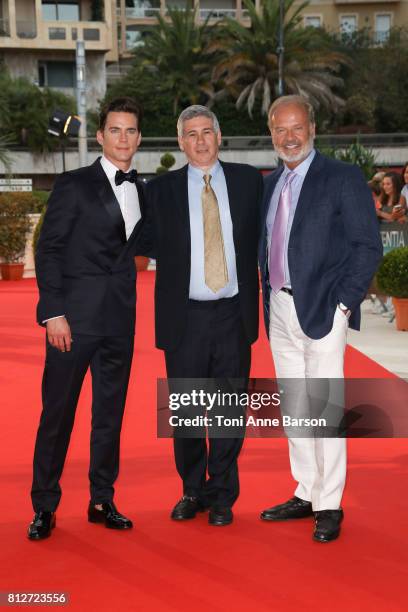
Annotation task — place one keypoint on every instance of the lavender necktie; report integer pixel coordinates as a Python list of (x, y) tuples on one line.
[(280, 226)]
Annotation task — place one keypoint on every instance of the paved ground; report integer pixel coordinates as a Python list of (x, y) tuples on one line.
[(379, 340)]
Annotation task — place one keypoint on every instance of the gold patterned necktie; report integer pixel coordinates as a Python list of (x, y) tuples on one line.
[(215, 265)]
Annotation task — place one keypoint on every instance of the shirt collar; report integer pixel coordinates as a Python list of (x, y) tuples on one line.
[(197, 174), (110, 168), (303, 167)]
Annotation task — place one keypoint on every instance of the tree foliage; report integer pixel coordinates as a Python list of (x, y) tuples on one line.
[(249, 63)]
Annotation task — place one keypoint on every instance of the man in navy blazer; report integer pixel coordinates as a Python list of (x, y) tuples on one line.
[(319, 249)]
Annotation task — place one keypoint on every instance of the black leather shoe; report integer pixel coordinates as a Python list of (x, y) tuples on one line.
[(108, 515), (327, 525), (186, 508), (40, 528), (220, 516), (295, 508)]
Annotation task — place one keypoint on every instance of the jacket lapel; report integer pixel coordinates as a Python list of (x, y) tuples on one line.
[(307, 193), (271, 184), (105, 193), (139, 224), (234, 198), (180, 202)]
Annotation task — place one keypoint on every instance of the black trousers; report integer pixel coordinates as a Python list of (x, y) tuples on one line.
[(214, 346), (109, 359)]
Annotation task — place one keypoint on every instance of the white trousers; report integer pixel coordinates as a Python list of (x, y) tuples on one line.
[(317, 464)]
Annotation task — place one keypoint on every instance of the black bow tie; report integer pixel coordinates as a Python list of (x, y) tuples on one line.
[(121, 177)]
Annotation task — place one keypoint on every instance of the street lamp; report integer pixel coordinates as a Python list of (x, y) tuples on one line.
[(81, 102), (280, 50)]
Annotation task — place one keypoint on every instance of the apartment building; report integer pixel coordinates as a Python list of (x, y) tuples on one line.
[(136, 17), (38, 41), (38, 37), (349, 15)]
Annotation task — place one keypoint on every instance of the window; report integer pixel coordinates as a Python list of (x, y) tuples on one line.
[(382, 27), (313, 21), (52, 10), (135, 36), (348, 24), (56, 74)]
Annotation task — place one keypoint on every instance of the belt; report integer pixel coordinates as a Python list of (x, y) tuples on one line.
[(287, 290), (213, 303)]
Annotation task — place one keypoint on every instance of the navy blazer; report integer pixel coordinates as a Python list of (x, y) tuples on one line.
[(334, 245)]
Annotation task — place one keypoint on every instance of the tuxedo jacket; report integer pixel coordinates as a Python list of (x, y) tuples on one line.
[(84, 264), (334, 246), (166, 237)]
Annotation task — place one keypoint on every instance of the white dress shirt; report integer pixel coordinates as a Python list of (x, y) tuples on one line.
[(300, 174), (198, 288), (126, 195)]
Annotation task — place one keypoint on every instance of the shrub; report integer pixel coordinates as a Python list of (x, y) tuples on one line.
[(392, 275), (14, 226)]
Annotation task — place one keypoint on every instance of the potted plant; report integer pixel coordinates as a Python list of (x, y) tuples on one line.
[(14, 227), (392, 278)]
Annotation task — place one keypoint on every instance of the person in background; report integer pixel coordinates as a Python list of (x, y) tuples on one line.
[(404, 176), (392, 203), (404, 194), (375, 185)]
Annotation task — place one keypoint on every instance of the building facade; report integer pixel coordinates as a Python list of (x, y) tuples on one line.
[(38, 37), (38, 41)]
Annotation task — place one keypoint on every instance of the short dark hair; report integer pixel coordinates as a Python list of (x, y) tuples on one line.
[(121, 105)]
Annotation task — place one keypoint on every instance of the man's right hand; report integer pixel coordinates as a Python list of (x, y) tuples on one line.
[(59, 334)]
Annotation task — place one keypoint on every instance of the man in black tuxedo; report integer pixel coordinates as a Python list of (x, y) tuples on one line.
[(86, 278), (203, 221)]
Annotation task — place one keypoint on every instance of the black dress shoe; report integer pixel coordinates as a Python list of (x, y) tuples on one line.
[(220, 516), (108, 515), (186, 508), (327, 525), (41, 526), (293, 509)]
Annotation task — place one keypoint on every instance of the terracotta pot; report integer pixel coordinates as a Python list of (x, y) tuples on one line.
[(12, 271), (141, 262), (401, 313)]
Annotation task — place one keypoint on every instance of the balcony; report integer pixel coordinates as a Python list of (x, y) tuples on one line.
[(142, 12), (218, 13), (57, 27), (26, 29), (59, 35)]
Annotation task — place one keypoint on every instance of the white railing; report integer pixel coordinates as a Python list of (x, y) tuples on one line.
[(142, 12), (218, 13)]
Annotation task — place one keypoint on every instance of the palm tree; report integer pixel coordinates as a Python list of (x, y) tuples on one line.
[(249, 68), (175, 52)]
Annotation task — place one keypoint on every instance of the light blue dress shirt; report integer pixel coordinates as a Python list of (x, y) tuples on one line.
[(296, 186), (198, 288)]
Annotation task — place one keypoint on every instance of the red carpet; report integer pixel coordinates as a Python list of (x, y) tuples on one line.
[(161, 565)]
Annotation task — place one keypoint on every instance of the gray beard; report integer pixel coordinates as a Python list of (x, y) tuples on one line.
[(300, 156)]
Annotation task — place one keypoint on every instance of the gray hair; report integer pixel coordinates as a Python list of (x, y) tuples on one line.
[(196, 110), (297, 100)]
